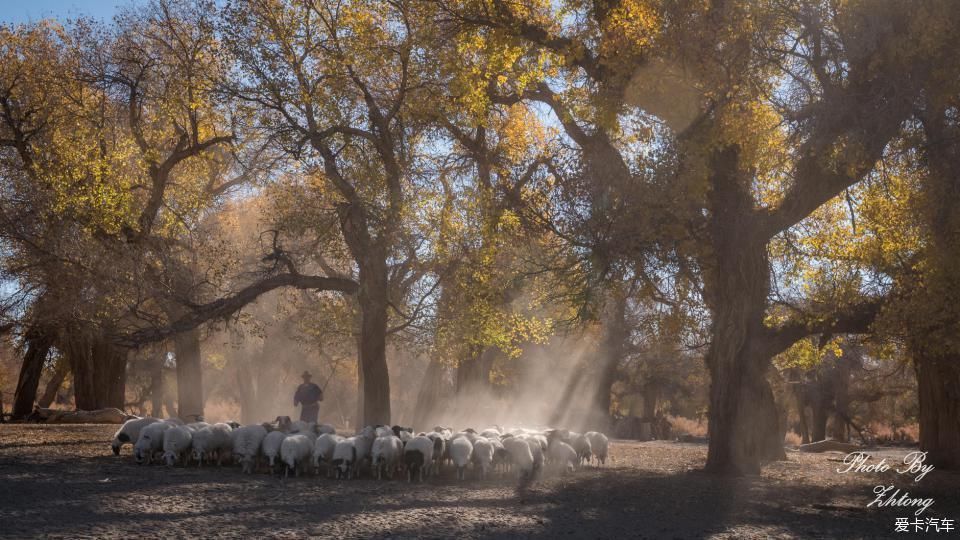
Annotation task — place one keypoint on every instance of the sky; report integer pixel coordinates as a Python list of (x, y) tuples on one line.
[(20, 11)]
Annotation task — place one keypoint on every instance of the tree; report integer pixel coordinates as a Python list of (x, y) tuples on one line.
[(716, 76)]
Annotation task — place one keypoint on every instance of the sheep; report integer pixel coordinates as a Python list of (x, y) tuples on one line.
[(283, 423), (363, 443), (295, 452), (302, 427), (563, 455), (599, 445), (439, 450), (536, 449), (344, 458), (246, 445), (323, 451), (271, 447), (324, 429), (197, 426), (581, 444), (397, 430), (491, 432), (176, 444), (175, 421), (150, 441), (483, 452), (129, 432), (386, 455), (384, 431), (222, 441), (521, 457), (417, 455), (501, 459), (461, 451), (202, 445)]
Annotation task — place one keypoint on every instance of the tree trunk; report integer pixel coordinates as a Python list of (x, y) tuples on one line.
[(651, 395), (157, 387), (374, 374), (744, 424), (615, 334), (189, 375), (54, 384), (938, 385), (37, 346), (821, 412), (99, 369)]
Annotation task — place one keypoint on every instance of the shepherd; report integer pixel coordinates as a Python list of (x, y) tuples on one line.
[(310, 395)]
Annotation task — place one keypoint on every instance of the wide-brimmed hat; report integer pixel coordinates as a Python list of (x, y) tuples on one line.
[(306, 374)]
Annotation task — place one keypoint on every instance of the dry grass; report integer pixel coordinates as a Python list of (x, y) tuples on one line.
[(885, 433), (792, 439), (686, 426)]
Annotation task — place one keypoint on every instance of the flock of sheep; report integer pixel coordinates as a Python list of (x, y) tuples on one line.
[(295, 447)]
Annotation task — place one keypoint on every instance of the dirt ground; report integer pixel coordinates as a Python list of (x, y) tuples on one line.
[(64, 482)]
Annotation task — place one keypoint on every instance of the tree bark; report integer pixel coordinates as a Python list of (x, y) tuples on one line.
[(53, 385), (744, 424), (99, 368), (35, 354), (189, 374), (157, 386), (374, 374), (938, 385), (36, 348)]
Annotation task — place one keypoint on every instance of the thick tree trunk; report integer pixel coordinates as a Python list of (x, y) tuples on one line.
[(53, 385), (99, 369), (841, 399), (938, 385), (821, 412), (374, 374), (35, 354), (744, 425), (189, 375), (651, 395), (157, 390), (615, 334)]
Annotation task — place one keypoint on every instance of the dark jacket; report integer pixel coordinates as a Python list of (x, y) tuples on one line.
[(308, 394)]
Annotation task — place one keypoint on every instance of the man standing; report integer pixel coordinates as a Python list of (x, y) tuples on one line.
[(310, 395)]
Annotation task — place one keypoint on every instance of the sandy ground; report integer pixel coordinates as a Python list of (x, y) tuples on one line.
[(63, 481)]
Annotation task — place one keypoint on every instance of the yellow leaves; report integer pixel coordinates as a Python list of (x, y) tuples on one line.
[(630, 29)]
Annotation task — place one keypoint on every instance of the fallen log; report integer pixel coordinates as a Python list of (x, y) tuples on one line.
[(98, 416), (829, 445)]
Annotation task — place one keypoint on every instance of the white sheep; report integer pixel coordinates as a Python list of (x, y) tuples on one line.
[(520, 456), (295, 452), (175, 421), (150, 441), (323, 429), (461, 452), (501, 459), (197, 426), (536, 449), (599, 445), (176, 444), (129, 432), (364, 444), (202, 445), (323, 451), (417, 456), (563, 455), (246, 445), (483, 452), (344, 458), (581, 444), (271, 447), (383, 431), (386, 452), (222, 441)]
